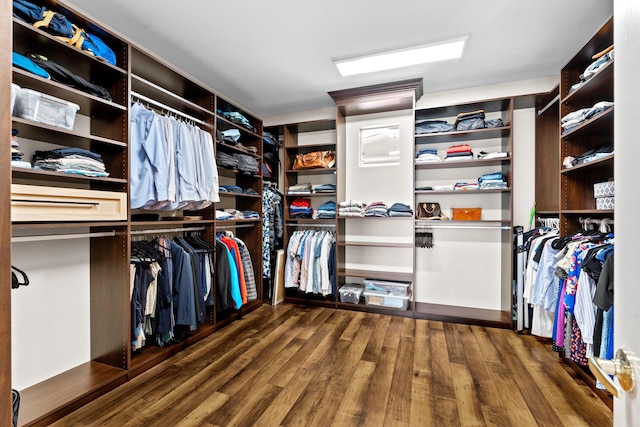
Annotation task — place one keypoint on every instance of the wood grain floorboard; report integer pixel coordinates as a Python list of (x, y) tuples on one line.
[(311, 366)]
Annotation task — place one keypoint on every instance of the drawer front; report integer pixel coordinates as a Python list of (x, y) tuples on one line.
[(37, 203)]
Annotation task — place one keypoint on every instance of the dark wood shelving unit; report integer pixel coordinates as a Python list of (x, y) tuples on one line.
[(462, 136)]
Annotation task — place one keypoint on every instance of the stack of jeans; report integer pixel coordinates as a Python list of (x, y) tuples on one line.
[(230, 189), (248, 214), (326, 210), (400, 209), (324, 188), (226, 161)]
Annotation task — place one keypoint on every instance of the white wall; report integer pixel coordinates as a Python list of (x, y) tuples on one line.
[(50, 322), (389, 184)]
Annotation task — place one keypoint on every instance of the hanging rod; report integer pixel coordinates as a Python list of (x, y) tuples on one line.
[(291, 224), (165, 107), (546, 107), (166, 230), (20, 239), (464, 227)]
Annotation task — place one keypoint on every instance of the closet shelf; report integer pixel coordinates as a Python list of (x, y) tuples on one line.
[(228, 124), (601, 162), (53, 47), (64, 225), (378, 244), (455, 314), (595, 89), (169, 224), (332, 195), (601, 123), (319, 171), (460, 136), (464, 163), (489, 106), (377, 218), (160, 94), (231, 173), (457, 192), (225, 147), (311, 147), (239, 195), (59, 395), (90, 105), (61, 176), (39, 131), (591, 212), (374, 274)]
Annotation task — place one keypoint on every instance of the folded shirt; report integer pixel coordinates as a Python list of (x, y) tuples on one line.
[(352, 203), (400, 207), (459, 148)]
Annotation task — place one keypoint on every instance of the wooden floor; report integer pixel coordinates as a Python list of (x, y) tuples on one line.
[(307, 366)]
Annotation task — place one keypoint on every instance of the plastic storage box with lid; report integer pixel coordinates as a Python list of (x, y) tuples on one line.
[(46, 109), (15, 89), (387, 299), (394, 287), (351, 293)]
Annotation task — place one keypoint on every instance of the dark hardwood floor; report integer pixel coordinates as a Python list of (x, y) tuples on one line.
[(308, 366)]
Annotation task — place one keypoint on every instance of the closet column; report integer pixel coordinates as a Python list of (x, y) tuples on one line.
[(5, 227)]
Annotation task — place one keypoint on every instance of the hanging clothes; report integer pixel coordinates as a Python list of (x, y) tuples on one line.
[(172, 163), (272, 227), (310, 265)]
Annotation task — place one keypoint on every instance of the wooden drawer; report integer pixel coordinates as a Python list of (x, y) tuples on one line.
[(37, 203)]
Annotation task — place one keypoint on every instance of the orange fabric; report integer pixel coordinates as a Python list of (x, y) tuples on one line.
[(232, 245)]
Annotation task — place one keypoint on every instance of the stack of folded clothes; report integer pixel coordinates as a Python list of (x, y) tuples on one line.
[(376, 209), (324, 188), (234, 214), (466, 186), (70, 160), (353, 208), (491, 181), (578, 117), (16, 154), (493, 155), (433, 126), (222, 215), (400, 209), (247, 214), (304, 188), (326, 210), (459, 152), (236, 117), (250, 191), (230, 189), (427, 155), (300, 208), (230, 136), (470, 121)]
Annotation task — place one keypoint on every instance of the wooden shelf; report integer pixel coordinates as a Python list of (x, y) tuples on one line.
[(310, 147), (460, 136), (39, 131), (318, 171), (601, 162), (53, 398), (598, 87), (376, 244), (331, 195), (374, 274), (222, 171), (489, 106), (235, 149), (598, 124), (464, 163), (90, 105), (592, 212), (231, 194), (61, 176), (228, 124), (457, 192)]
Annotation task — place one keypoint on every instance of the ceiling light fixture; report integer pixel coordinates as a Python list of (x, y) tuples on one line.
[(406, 57)]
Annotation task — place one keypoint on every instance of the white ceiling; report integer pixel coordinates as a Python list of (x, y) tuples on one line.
[(275, 57)]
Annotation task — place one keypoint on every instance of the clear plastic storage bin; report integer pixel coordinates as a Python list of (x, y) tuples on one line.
[(386, 299), (15, 89), (351, 293), (39, 107), (399, 288)]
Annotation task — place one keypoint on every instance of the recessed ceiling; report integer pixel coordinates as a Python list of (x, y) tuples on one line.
[(275, 57)]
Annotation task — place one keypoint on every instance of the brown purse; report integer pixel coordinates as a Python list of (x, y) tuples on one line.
[(429, 210), (314, 160)]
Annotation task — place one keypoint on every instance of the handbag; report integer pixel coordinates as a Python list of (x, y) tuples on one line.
[(314, 160), (429, 210)]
